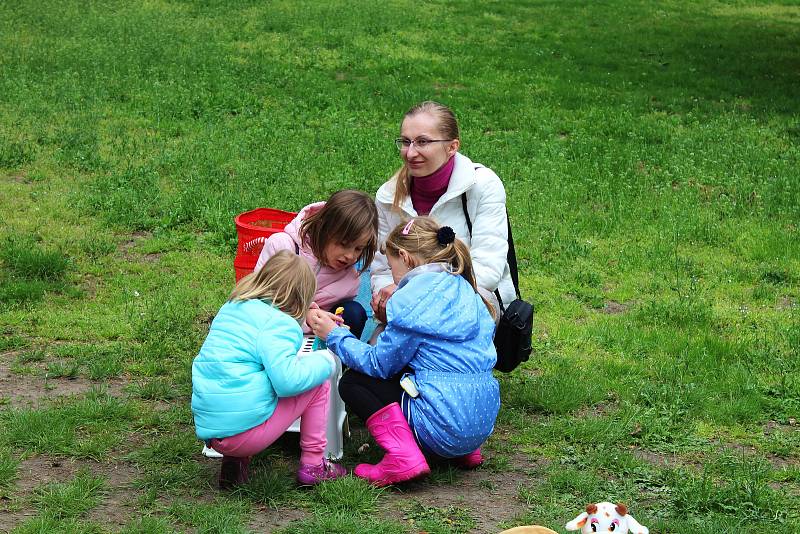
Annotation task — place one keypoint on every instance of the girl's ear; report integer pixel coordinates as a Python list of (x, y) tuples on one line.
[(407, 258)]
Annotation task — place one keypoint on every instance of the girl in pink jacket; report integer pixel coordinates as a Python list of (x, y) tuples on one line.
[(332, 237)]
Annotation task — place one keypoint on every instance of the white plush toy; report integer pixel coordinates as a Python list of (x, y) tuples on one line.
[(606, 517)]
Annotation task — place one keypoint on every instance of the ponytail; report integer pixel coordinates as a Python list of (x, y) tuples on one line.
[(423, 238)]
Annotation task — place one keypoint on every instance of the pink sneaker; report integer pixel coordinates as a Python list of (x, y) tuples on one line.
[(310, 475)]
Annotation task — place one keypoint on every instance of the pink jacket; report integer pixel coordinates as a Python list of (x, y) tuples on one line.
[(332, 286)]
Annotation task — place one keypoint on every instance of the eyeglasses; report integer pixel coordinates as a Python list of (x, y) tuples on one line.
[(421, 143)]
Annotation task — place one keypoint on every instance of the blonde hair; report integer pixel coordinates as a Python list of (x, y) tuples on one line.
[(448, 128), (420, 237), (285, 281), (344, 218)]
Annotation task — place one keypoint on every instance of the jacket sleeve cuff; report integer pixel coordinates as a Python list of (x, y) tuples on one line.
[(336, 336)]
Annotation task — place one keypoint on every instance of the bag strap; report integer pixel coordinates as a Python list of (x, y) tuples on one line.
[(511, 256)]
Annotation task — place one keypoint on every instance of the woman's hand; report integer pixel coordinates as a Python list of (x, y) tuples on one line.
[(379, 300), (322, 322)]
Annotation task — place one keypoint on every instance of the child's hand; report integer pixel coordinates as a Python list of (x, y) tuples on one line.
[(322, 322), (379, 299)]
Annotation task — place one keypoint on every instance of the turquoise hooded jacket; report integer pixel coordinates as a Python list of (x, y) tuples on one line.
[(247, 362)]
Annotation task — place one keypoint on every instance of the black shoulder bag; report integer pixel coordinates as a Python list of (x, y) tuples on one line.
[(512, 338)]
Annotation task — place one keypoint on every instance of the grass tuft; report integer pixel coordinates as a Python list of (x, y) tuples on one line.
[(450, 519), (349, 495), (24, 257), (70, 499), (149, 525)]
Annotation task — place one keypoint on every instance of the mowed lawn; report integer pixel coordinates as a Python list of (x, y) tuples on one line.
[(651, 156)]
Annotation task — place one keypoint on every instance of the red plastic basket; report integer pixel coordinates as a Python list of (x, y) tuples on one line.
[(253, 228)]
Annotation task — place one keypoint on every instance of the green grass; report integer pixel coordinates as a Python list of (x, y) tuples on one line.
[(73, 499), (651, 158), (8, 473), (223, 516), (84, 427), (438, 520), (29, 270)]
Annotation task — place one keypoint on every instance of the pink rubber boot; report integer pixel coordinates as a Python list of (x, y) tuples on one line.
[(471, 460), (403, 459)]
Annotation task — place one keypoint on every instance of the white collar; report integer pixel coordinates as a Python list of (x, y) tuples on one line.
[(438, 267), (463, 178)]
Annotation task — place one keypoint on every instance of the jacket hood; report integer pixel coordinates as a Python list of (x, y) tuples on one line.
[(435, 302), (293, 228)]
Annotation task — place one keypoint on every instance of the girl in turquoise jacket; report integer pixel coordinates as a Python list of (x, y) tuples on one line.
[(248, 384)]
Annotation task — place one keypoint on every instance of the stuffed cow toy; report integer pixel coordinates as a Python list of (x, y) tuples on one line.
[(606, 517)]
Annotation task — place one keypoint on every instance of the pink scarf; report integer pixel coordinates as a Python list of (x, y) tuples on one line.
[(426, 190)]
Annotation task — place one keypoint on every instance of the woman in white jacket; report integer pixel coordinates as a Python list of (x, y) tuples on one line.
[(432, 181)]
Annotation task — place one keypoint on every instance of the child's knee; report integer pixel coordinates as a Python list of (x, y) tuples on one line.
[(346, 382), (357, 310), (324, 388)]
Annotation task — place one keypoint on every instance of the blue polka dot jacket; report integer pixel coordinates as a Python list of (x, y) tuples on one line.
[(438, 332)]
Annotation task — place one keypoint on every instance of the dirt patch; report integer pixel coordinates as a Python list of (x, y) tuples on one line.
[(601, 409), (612, 307), (780, 462), (25, 391), (207, 319), (266, 519), (745, 451), (118, 506), (10, 518), (89, 286), (785, 303), (657, 459), (491, 497), (114, 511), (773, 426), (46, 469), (125, 248), (479, 494), (21, 178)]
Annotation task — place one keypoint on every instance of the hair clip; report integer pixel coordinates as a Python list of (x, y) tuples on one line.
[(407, 227)]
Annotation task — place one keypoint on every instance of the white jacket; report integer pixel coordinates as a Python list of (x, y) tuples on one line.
[(486, 205)]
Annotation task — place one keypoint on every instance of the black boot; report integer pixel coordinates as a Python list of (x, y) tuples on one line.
[(234, 472)]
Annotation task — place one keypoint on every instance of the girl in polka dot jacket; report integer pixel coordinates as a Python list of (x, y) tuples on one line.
[(426, 386)]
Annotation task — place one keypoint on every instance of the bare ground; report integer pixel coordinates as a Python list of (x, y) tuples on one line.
[(489, 496), (114, 511), (28, 390)]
